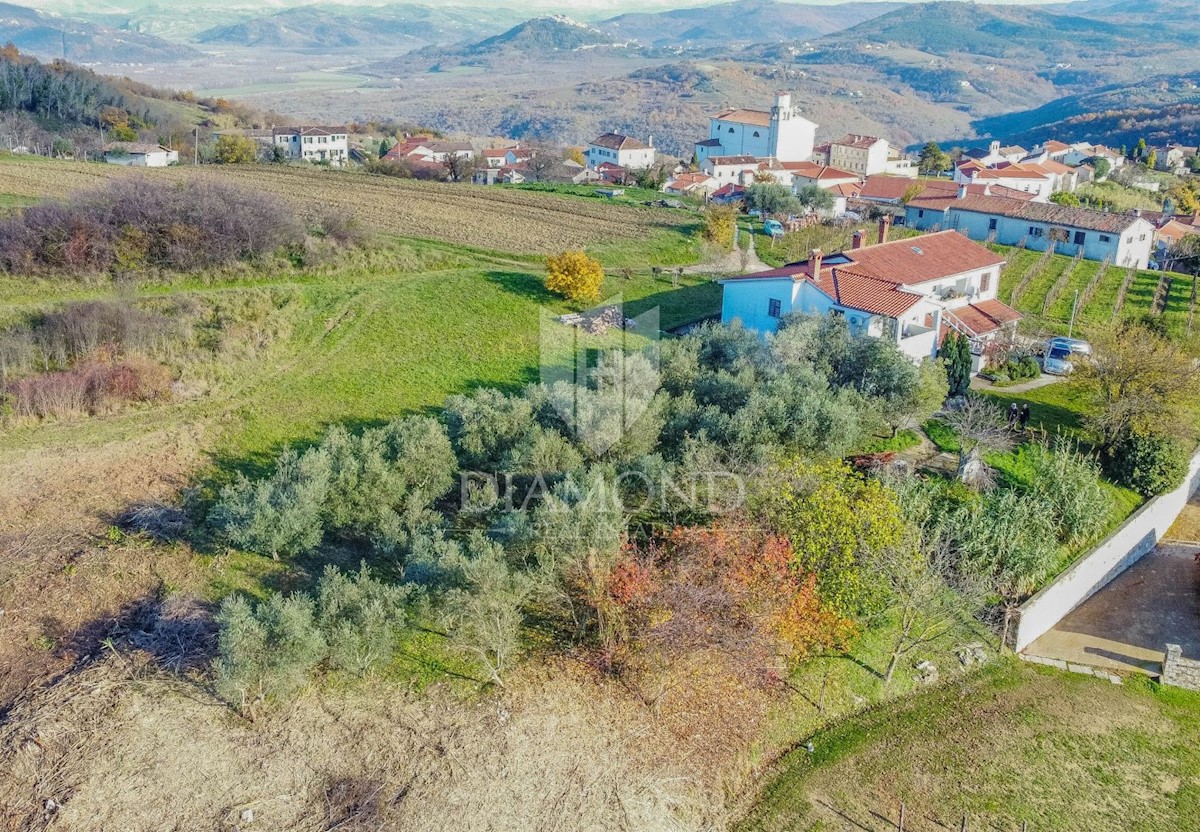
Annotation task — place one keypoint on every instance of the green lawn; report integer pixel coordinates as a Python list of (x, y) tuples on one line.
[(1010, 744), (379, 335)]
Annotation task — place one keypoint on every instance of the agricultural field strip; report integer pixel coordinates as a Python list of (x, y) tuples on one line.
[(504, 219)]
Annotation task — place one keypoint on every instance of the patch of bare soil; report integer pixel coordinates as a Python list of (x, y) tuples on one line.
[(121, 747), (63, 577)]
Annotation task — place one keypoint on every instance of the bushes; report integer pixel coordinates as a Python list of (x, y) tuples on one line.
[(88, 388), (368, 487), (1067, 482), (1149, 463), (269, 651), (138, 223), (575, 276), (720, 225)]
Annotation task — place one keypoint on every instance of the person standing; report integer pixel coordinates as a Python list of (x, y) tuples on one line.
[(1024, 416), (1013, 413)]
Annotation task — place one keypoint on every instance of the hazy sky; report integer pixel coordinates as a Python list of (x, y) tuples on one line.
[(579, 7)]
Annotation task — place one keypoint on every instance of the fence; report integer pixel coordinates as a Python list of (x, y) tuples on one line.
[(903, 824), (1120, 550)]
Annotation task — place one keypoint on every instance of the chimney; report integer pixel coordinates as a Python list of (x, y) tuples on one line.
[(885, 222), (1137, 212), (814, 260), (962, 189), (987, 188), (783, 100), (651, 142), (858, 238)]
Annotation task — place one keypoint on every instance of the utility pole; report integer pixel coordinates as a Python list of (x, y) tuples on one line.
[(196, 147), (1074, 307)]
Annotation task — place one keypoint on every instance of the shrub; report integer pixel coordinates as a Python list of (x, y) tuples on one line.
[(1149, 463), (281, 514), (266, 652), (361, 618), (720, 225), (575, 276), (231, 149), (138, 222), (88, 388), (485, 425)]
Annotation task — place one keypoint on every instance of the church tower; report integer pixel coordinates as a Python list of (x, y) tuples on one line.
[(792, 135)]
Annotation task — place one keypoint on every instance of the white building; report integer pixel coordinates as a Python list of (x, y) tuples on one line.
[(619, 150), (314, 144), (1122, 239), (907, 291), (781, 133), (138, 155)]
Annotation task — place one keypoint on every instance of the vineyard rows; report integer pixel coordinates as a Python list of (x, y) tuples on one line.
[(1046, 287)]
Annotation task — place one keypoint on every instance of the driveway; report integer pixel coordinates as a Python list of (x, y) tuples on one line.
[(1126, 626)]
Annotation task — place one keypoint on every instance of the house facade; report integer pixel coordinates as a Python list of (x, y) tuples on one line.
[(139, 155), (1124, 240), (314, 144), (781, 133), (861, 155), (909, 291), (622, 151)]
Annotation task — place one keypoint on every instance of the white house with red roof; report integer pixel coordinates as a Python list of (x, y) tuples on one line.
[(864, 155), (909, 291)]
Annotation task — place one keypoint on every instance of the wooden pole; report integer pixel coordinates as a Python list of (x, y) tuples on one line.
[(900, 828)]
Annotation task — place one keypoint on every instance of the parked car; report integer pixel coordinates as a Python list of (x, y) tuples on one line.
[(1075, 346), (1057, 361), (773, 227)]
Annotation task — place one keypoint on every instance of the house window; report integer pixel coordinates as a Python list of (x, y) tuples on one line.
[(774, 307), (1104, 238), (985, 281), (992, 223), (1079, 238), (730, 129), (920, 212), (756, 134), (1036, 231)]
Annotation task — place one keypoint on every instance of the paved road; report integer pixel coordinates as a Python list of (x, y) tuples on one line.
[(978, 383)]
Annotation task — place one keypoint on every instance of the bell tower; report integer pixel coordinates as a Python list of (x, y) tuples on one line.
[(792, 135)]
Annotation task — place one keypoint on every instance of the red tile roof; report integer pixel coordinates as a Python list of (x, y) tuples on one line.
[(811, 170), (733, 160), (874, 279), (856, 140), (1047, 212), (758, 118), (616, 141), (985, 316)]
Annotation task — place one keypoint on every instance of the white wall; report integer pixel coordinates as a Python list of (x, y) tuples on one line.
[(1114, 555)]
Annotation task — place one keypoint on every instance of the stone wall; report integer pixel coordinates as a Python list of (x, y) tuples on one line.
[(1178, 671), (1116, 553)]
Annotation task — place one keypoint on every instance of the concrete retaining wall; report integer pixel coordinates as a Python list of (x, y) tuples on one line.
[(1120, 550)]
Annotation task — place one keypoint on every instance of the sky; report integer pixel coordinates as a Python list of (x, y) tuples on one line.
[(587, 8)]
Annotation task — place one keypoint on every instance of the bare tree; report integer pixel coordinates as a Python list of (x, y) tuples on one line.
[(981, 428), (459, 166)]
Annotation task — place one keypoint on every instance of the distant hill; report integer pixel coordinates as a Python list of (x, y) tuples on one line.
[(542, 35), (740, 22), (331, 27), (51, 36), (1160, 110)]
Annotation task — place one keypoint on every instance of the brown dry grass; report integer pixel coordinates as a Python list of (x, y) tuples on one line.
[(118, 747), (490, 218), (62, 579)]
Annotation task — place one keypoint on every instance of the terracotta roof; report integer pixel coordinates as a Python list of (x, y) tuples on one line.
[(1010, 172), (758, 118), (939, 199), (1047, 212), (921, 259), (615, 141), (811, 170), (729, 189), (691, 180), (855, 140), (1173, 230), (893, 188), (451, 147), (846, 189), (309, 131), (873, 279), (733, 160), (1053, 146), (985, 316), (1013, 150)]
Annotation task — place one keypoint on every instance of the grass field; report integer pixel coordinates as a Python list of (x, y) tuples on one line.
[(1007, 745)]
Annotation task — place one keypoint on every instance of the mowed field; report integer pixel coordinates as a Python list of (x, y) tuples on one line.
[(500, 219), (1010, 745), (1046, 291)]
